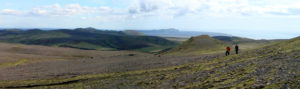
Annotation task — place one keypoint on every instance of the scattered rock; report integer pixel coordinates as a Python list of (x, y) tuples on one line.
[(131, 54)]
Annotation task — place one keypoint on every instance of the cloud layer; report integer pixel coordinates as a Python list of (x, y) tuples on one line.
[(277, 16), (216, 7), (58, 10), (172, 8)]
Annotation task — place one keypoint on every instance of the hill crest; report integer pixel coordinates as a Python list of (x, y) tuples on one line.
[(199, 44), (83, 38)]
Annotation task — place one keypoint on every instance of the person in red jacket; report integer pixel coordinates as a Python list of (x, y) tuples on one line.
[(227, 51)]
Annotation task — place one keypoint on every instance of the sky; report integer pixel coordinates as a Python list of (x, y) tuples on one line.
[(258, 19)]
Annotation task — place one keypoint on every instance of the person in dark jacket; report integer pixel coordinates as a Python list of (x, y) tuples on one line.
[(236, 49), (227, 51)]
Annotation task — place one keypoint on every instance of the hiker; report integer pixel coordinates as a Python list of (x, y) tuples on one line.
[(227, 51), (236, 49)]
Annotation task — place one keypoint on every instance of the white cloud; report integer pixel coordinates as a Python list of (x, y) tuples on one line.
[(58, 10), (68, 10), (170, 8), (10, 12), (83, 18), (214, 8)]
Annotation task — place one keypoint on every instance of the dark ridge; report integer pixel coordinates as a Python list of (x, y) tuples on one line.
[(70, 37), (67, 46), (52, 84)]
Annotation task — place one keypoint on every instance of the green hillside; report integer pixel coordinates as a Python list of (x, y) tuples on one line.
[(133, 32), (244, 43), (240, 40), (83, 38), (198, 45), (273, 66)]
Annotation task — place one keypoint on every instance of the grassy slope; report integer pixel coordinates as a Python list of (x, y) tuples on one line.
[(198, 45), (18, 54), (133, 32), (177, 39), (159, 49), (244, 43), (239, 40), (155, 50), (81, 38), (273, 66)]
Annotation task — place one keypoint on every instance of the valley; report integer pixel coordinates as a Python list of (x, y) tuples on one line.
[(197, 62), (149, 44), (274, 65)]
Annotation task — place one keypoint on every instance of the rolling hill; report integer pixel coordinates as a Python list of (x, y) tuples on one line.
[(83, 38), (273, 66), (177, 33), (244, 43), (240, 40), (198, 45), (133, 32)]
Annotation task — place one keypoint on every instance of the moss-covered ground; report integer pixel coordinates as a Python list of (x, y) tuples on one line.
[(272, 66)]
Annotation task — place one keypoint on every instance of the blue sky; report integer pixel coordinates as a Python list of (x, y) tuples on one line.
[(259, 19)]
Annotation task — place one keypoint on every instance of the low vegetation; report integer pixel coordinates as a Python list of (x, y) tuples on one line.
[(240, 40), (198, 45), (273, 66), (84, 38)]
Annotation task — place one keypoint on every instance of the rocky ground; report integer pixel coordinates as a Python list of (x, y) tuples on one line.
[(272, 66), (93, 64)]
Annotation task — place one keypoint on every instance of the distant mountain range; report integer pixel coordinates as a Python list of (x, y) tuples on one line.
[(139, 40), (83, 38), (177, 33)]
